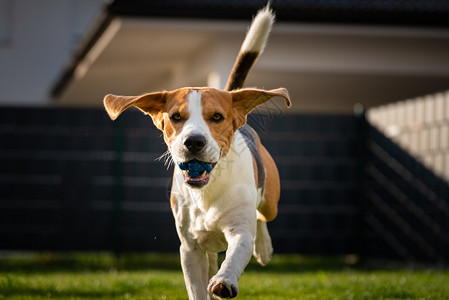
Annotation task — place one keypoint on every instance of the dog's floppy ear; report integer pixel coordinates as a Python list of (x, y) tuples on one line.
[(245, 100), (152, 104)]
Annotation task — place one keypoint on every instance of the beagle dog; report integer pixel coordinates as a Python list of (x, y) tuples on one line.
[(225, 183)]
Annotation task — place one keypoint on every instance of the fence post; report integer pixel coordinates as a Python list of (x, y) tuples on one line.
[(361, 139), (117, 200)]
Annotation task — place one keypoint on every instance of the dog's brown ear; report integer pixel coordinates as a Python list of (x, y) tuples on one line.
[(248, 99), (245, 100), (152, 104)]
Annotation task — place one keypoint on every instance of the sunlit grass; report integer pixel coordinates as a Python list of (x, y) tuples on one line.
[(156, 276)]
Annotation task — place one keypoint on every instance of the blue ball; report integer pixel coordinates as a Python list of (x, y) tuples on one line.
[(195, 167), (194, 174)]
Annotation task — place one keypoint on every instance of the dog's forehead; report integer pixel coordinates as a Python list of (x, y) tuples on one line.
[(213, 99), (210, 98), (178, 97), (216, 94)]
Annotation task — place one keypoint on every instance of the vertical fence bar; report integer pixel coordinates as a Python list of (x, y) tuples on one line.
[(361, 137), (118, 187)]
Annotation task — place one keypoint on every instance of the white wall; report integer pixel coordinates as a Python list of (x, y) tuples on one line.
[(420, 126), (36, 39)]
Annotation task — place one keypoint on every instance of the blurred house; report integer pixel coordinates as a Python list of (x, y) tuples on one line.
[(37, 38), (329, 54)]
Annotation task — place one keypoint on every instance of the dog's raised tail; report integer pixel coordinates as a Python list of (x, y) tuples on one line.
[(252, 47)]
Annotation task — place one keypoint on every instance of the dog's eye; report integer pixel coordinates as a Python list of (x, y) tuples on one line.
[(176, 117), (217, 117)]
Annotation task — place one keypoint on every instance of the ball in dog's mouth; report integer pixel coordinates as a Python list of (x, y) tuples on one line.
[(196, 173)]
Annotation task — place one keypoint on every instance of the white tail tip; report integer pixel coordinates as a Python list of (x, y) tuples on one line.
[(259, 30)]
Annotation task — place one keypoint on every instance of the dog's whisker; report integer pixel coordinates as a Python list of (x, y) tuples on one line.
[(162, 156), (168, 160)]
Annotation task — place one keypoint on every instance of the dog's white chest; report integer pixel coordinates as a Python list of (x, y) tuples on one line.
[(198, 226), (202, 214), (202, 228)]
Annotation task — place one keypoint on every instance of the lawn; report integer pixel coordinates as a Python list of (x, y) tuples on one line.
[(157, 276)]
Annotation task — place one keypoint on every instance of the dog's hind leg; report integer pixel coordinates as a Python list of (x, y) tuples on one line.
[(213, 263), (263, 249), (213, 269)]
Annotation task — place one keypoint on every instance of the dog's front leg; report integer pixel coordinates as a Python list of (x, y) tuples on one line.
[(225, 283), (195, 268)]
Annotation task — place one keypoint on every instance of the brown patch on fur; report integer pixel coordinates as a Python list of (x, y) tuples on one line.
[(268, 208), (176, 104), (239, 72), (216, 101), (172, 201)]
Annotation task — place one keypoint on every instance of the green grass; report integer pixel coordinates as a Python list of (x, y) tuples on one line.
[(157, 276)]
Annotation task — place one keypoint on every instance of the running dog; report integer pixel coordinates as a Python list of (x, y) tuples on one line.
[(225, 184)]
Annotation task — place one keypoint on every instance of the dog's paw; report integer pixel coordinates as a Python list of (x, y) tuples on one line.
[(223, 287)]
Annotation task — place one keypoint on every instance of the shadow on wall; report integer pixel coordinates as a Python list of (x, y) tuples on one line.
[(406, 205)]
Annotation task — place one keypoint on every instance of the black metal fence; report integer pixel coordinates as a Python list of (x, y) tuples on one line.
[(406, 206), (71, 179)]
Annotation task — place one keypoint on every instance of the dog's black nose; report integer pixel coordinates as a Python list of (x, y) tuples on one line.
[(195, 143)]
